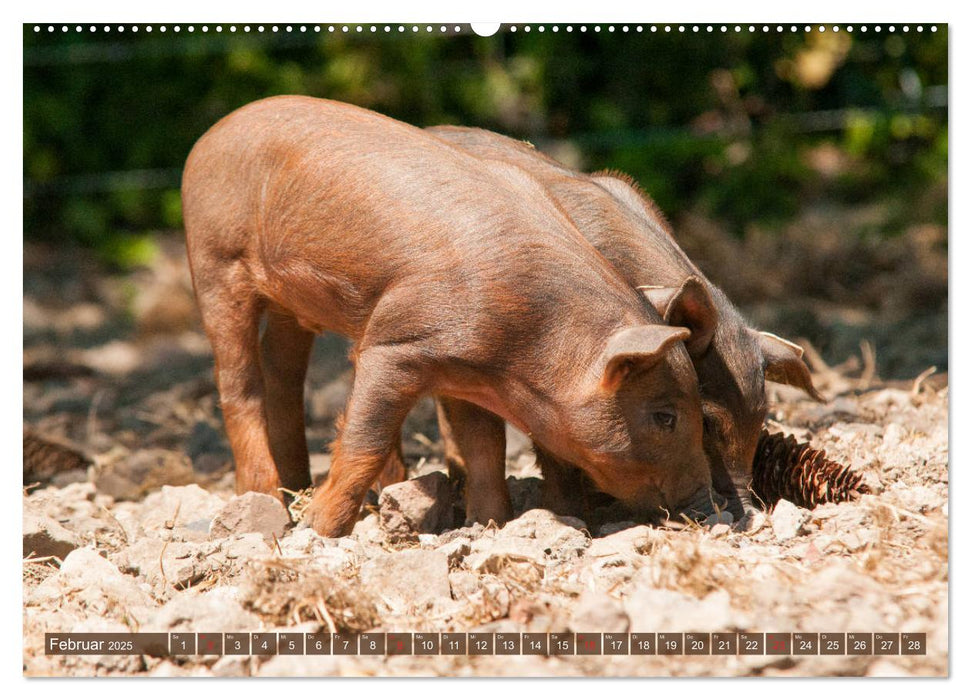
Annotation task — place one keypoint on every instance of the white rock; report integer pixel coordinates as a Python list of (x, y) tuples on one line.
[(333, 556), (456, 550), (917, 498), (595, 611), (407, 579), (660, 609), (418, 505), (185, 510), (788, 520), (855, 540), (516, 442), (167, 669), (625, 543), (560, 537), (90, 580), (303, 541), (491, 555), (238, 549), (463, 583), (45, 537), (251, 512), (893, 435), (478, 594), (214, 610), (608, 572), (160, 562), (368, 529)]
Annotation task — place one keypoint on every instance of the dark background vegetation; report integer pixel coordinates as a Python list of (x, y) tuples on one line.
[(805, 171)]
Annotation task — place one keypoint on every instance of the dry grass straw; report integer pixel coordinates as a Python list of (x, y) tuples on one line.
[(287, 591), (298, 501), (689, 561)]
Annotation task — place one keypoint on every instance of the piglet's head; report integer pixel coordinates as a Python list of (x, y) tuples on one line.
[(642, 420), (732, 362), (690, 306)]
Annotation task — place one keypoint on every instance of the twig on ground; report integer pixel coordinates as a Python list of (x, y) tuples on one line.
[(321, 607), (910, 514), (121, 527), (161, 568), (869, 355), (918, 382), (31, 559), (91, 427)]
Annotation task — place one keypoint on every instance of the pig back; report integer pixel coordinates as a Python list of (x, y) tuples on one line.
[(339, 205), (608, 208)]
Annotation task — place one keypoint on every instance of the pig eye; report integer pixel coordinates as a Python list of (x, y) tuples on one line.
[(665, 420)]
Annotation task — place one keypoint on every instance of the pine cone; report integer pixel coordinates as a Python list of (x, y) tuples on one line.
[(795, 471)]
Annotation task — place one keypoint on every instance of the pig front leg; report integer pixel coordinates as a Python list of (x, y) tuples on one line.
[(395, 470), (383, 393), (475, 447)]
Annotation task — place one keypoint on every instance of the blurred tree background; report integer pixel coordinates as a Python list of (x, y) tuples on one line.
[(747, 130)]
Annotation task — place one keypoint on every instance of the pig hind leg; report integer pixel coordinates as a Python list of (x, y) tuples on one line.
[(475, 448), (284, 355), (231, 311)]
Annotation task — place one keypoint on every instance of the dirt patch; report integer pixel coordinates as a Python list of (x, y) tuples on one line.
[(129, 554), (879, 563)]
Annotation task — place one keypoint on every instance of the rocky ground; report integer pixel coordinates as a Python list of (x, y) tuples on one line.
[(140, 529)]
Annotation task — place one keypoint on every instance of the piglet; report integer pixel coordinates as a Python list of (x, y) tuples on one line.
[(454, 277), (732, 360)]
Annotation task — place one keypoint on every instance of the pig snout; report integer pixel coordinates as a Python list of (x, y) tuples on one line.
[(686, 490), (704, 503), (741, 502), (732, 481)]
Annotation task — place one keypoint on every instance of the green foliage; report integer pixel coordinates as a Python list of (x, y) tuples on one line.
[(127, 251), (745, 127)]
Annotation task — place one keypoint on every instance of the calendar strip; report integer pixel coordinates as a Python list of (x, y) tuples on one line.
[(491, 643)]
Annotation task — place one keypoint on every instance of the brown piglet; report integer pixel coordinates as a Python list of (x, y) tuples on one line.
[(454, 277), (732, 360)]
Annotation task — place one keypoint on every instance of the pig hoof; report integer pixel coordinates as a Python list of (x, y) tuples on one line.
[(751, 522), (723, 518), (487, 522), (496, 514), (323, 525)]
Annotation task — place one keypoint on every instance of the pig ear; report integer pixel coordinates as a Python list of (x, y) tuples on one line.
[(689, 305), (637, 348), (783, 363)]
